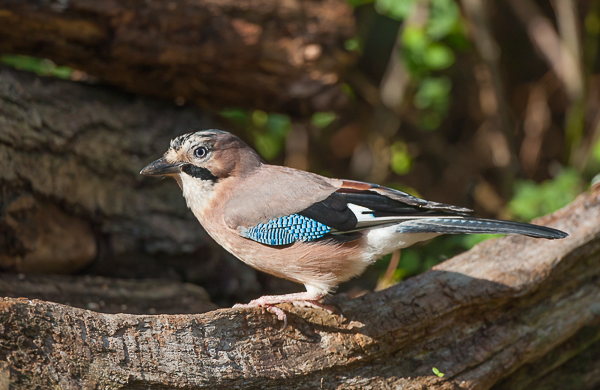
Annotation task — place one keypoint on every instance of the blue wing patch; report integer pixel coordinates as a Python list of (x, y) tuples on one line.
[(286, 230)]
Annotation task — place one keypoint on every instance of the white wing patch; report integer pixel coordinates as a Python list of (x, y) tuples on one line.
[(365, 217)]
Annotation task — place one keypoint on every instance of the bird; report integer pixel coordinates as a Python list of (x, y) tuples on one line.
[(301, 226)]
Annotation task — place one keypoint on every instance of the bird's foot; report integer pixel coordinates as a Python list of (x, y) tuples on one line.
[(301, 299)]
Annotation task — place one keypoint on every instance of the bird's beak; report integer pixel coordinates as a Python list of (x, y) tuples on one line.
[(160, 167)]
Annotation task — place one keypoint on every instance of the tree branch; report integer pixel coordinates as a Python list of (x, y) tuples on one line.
[(278, 56), (481, 318)]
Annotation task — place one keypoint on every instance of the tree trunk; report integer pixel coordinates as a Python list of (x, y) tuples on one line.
[(278, 56), (512, 313), (71, 195)]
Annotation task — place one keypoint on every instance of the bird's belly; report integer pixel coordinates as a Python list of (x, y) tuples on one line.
[(320, 265)]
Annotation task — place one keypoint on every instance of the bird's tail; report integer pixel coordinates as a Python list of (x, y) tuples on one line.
[(471, 225)]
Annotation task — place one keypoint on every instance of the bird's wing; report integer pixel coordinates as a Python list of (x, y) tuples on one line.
[(273, 192), (278, 206), (299, 206), (375, 205)]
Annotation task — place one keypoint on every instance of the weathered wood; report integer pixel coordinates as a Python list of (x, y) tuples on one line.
[(269, 54), (71, 194), (482, 317), (109, 295)]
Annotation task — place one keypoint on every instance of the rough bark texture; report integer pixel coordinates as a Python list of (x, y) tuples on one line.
[(270, 54), (71, 195), (512, 313)]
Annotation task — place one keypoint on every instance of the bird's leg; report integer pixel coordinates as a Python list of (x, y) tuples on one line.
[(268, 302)]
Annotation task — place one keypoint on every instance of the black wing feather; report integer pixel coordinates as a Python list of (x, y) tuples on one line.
[(429, 217), (333, 212)]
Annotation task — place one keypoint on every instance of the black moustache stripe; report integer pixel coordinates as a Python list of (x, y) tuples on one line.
[(199, 172)]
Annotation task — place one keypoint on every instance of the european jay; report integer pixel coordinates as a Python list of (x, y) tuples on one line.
[(301, 226)]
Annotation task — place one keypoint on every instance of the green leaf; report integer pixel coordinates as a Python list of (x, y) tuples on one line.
[(43, 67), (401, 161), (323, 119), (62, 72), (438, 56), (352, 44), (415, 39), (267, 146), (278, 125), (259, 118), (437, 372), (237, 116), (395, 9), (433, 91), (444, 15)]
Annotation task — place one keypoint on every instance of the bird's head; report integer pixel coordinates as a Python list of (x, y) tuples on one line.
[(205, 157)]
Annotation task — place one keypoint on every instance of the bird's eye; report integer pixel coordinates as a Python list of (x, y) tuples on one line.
[(201, 152)]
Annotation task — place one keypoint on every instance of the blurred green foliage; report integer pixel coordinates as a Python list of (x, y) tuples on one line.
[(43, 67), (433, 99), (395, 9), (401, 160), (323, 119), (532, 200), (427, 48), (596, 153), (421, 257), (268, 130), (352, 44)]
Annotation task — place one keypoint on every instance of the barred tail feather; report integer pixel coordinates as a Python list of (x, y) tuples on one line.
[(471, 225)]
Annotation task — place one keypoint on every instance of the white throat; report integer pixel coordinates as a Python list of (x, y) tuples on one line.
[(197, 193)]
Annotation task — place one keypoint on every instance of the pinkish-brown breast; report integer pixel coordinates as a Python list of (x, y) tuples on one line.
[(318, 264)]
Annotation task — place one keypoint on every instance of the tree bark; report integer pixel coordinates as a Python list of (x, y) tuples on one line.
[(71, 196), (278, 56), (512, 313), (108, 295)]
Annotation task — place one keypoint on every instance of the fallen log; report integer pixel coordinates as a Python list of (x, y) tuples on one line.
[(505, 315), (278, 56), (109, 295), (72, 198)]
